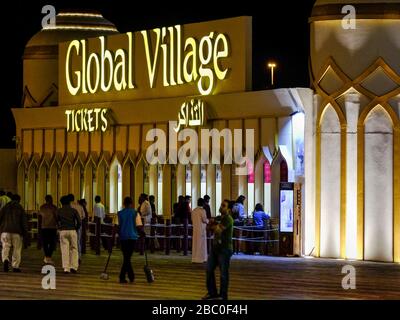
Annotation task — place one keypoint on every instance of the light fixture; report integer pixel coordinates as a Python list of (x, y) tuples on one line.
[(272, 66)]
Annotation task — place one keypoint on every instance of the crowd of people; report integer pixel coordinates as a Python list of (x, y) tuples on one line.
[(68, 223)]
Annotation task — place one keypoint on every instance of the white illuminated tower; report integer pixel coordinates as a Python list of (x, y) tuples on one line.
[(353, 131)]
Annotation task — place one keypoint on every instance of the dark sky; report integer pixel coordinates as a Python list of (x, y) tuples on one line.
[(280, 32)]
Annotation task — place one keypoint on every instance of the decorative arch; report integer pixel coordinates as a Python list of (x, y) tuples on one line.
[(115, 175), (90, 181), (78, 175), (262, 183), (22, 175), (66, 175), (361, 185), (102, 180), (128, 175), (141, 177), (329, 108)]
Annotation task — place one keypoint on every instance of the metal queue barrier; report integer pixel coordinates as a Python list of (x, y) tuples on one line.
[(166, 236)]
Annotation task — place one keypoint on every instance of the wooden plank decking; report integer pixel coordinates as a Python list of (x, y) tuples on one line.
[(252, 277)]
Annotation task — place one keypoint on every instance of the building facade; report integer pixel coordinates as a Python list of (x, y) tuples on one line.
[(143, 81), (353, 208), (95, 100)]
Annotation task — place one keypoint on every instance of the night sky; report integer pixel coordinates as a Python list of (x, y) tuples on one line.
[(280, 32)]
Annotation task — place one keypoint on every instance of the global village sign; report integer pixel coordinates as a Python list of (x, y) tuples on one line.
[(179, 61), (195, 61)]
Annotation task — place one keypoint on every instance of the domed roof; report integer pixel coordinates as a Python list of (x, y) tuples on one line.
[(365, 9), (70, 25)]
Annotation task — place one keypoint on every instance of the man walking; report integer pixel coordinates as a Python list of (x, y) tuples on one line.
[(14, 229), (130, 228), (221, 253), (69, 223), (48, 228)]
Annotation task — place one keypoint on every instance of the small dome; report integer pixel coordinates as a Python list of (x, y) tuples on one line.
[(70, 25)]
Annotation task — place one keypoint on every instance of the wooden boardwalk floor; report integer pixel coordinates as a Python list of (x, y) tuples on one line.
[(252, 277)]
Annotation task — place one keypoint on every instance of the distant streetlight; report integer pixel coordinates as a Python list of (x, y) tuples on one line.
[(272, 66)]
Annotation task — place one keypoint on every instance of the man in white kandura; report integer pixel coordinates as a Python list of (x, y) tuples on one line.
[(199, 241)]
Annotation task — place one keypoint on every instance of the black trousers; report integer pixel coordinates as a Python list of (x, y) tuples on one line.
[(221, 258), (127, 248), (49, 240)]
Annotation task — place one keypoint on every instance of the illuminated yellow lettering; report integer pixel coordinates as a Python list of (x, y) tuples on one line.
[(206, 72), (95, 73), (179, 54), (171, 56), (190, 61), (73, 122), (77, 128), (90, 120), (68, 114), (218, 54), (165, 57), (130, 59), (105, 55), (73, 90), (104, 120), (96, 111), (83, 42), (151, 61), (84, 125), (120, 83)]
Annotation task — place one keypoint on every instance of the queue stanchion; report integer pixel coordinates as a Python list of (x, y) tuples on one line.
[(167, 236), (152, 234), (98, 235), (185, 237)]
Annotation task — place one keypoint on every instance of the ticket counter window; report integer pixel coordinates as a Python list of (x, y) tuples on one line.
[(159, 189), (218, 189), (267, 187), (250, 189)]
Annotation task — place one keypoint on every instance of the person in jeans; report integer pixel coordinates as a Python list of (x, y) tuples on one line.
[(14, 230), (130, 227), (69, 222), (221, 253), (48, 228)]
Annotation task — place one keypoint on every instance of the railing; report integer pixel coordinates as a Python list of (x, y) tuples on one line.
[(166, 236)]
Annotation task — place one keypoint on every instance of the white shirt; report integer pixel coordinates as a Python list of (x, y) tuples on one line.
[(99, 211), (145, 212)]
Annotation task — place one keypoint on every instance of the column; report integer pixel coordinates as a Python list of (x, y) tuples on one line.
[(352, 106)]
